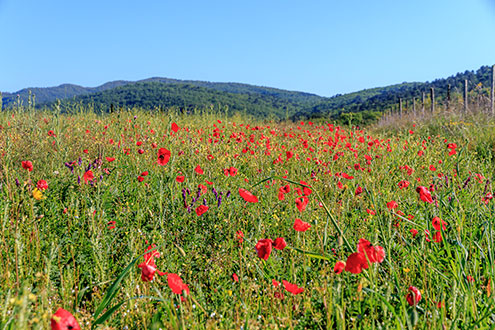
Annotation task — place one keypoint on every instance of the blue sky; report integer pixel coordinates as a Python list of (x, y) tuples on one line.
[(324, 47)]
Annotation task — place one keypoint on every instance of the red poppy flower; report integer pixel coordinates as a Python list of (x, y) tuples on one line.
[(374, 253), (88, 176), (200, 210), (301, 203), (51, 133), (199, 170), (403, 184), (26, 164), (292, 288), (347, 176), (145, 173), (140, 179), (175, 283), (111, 224), (414, 232), (358, 191), (180, 178), (437, 223), (42, 185), (437, 238), (63, 320), (240, 236), (175, 127), (279, 243), (163, 156), (233, 171), (424, 194), (110, 159), (285, 189), (414, 296), (355, 263), (148, 267), (248, 196), (392, 205), (235, 277), (275, 283), (306, 190), (264, 248), (339, 267), (300, 225)]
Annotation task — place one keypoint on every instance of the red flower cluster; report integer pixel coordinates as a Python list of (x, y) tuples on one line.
[(358, 261), (452, 147), (264, 247)]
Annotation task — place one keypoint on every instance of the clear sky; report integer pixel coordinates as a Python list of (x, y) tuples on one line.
[(324, 47)]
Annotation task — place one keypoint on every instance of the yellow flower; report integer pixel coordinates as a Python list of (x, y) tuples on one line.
[(37, 194)]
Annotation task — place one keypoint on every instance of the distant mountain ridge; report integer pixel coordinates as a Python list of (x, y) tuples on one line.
[(257, 100), (65, 91)]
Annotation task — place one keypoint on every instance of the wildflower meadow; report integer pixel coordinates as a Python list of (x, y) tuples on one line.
[(162, 220)]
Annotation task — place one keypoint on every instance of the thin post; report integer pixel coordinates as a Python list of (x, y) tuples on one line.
[(493, 91), (448, 96), (423, 103), (414, 106), (465, 95), (432, 96), (400, 107)]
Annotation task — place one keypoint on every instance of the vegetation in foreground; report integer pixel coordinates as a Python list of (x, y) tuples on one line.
[(256, 224)]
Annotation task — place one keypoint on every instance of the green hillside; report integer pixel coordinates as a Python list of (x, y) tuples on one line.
[(256, 100), (386, 98), (150, 95)]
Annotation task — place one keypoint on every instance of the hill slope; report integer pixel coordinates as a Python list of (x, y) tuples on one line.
[(150, 95), (257, 100)]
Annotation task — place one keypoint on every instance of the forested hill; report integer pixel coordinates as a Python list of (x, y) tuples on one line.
[(260, 101), (150, 95), (385, 98), (69, 91)]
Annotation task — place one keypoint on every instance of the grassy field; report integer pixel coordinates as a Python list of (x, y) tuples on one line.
[(395, 231)]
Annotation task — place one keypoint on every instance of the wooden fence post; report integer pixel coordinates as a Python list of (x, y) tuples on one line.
[(448, 96), (432, 96), (414, 106), (423, 104), (400, 107), (465, 95), (493, 91)]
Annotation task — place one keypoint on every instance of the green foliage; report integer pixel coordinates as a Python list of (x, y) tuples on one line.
[(61, 250), (258, 101)]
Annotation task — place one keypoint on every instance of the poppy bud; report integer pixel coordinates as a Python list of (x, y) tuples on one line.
[(63, 320)]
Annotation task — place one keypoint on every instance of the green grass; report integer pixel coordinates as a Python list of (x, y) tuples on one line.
[(51, 258)]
